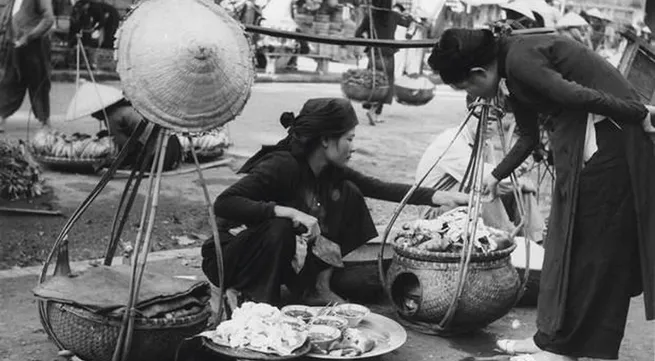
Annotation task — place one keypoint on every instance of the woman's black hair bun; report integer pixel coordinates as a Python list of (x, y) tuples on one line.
[(287, 119)]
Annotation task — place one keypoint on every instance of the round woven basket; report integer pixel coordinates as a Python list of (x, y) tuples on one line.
[(363, 94), (93, 337), (490, 289), (185, 64), (72, 164), (409, 96)]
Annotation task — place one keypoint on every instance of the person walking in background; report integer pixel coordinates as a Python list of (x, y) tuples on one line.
[(27, 65), (380, 23)]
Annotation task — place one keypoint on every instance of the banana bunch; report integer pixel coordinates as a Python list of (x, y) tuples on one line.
[(205, 142), (76, 146)]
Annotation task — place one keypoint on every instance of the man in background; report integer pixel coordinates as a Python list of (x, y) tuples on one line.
[(27, 66)]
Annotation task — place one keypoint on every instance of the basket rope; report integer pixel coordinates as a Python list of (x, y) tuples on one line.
[(63, 234), (131, 187), (214, 225), (373, 34), (142, 248)]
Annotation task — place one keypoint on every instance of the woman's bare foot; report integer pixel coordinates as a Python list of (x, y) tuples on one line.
[(543, 356), (322, 294), (514, 347)]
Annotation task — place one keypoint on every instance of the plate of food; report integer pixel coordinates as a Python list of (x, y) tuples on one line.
[(367, 335), (258, 331)]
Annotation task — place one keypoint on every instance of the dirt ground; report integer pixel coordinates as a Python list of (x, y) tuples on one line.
[(390, 150)]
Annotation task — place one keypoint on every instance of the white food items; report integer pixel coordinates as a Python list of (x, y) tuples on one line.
[(260, 327)]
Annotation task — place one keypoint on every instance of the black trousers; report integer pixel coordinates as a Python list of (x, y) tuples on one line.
[(27, 71), (257, 262)]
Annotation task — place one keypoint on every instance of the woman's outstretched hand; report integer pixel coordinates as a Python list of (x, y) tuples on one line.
[(490, 186), (449, 200)]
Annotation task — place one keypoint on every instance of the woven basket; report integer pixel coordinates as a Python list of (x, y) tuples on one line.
[(409, 96), (362, 94), (185, 64), (490, 288), (72, 163), (93, 338)]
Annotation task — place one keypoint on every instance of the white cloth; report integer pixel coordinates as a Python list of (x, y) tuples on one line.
[(454, 162), (17, 4), (299, 258), (590, 143)]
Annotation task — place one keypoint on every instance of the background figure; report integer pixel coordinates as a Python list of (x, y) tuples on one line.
[(380, 23), (97, 21), (27, 65)]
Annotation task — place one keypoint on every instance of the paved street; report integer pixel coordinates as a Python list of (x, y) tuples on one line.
[(389, 150)]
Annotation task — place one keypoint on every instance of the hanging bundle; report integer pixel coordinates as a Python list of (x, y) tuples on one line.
[(367, 85)]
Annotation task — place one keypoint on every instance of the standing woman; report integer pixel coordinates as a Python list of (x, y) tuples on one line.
[(600, 249)]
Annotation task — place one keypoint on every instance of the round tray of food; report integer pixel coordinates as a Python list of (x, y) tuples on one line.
[(54, 148), (258, 331)]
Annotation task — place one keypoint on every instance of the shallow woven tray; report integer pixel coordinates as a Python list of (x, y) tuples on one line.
[(71, 162)]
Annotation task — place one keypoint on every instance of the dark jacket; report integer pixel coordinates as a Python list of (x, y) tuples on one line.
[(557, 76)]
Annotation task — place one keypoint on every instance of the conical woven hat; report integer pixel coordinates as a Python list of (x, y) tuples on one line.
[(184, 64), (90, 98), (571, 19)]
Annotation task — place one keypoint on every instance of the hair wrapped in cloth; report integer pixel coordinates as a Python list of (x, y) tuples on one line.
[(319, 117), (460, 50)]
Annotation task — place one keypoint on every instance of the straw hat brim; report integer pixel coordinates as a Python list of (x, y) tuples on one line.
[(185, 64), (92, 97), (571, 19), (519, 7)]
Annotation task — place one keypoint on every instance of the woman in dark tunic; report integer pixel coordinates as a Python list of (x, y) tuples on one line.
[(602, 221), (301, 183)]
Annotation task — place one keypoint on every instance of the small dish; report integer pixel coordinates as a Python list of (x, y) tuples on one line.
[(304, 313), (322, 336), (352, 312), (334, 321)]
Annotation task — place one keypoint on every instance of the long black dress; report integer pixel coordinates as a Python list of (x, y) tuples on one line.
[(599, 245), (257, 261)]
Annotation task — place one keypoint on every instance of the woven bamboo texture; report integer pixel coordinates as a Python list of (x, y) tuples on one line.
[(185, 64), (490, 288), (93, 337), (362, 94), (71, 162), (411, 96)]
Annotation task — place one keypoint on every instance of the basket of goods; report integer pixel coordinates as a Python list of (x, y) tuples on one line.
[(54, 148), (85, 312), (423, 276), (20, 174), (414, 90), (364, 85), (208, 145)]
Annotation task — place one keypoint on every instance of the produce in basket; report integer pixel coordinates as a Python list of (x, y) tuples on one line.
[(54, 143), (20, 175), (446, 234), (364, 78), (205, 143)]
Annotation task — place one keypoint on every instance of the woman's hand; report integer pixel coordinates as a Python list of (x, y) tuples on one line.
[(490, 186), (449, 200), (309, 223)]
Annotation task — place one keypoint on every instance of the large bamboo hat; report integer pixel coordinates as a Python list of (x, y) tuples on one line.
[(92, 97), (184, 64)]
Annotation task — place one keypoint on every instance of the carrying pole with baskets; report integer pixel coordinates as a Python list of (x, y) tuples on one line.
[(458, 314), (177, 86)]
